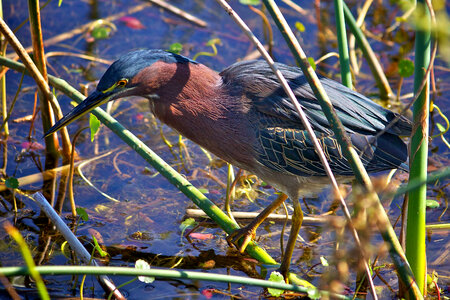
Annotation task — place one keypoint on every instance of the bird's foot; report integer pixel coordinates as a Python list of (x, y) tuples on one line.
[(247, 234)]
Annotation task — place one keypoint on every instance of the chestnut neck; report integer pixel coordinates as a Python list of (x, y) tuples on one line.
[(191, 99)]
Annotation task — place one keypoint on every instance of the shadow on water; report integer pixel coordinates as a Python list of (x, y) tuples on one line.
[(146, 222)]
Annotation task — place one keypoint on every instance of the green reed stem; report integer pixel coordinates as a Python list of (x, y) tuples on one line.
[(344, 60), (415, 228), (346, 79), (163, 273), (369, 55)]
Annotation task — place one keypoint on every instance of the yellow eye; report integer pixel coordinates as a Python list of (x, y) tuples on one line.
[(122, 83)]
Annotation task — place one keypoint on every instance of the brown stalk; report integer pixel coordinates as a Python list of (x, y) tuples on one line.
[(51, 142), (29, 64)]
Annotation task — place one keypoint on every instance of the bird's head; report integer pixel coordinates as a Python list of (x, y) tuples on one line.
[(131, 75)]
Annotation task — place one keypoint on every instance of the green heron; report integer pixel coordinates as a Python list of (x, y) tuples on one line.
[(243, 116)]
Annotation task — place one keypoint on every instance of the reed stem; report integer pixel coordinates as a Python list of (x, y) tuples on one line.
[(415, 228)]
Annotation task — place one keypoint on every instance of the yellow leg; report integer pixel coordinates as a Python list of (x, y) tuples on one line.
[(297, 219), (248, 232)]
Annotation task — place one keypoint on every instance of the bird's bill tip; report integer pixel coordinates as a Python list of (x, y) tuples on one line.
[(92, 101)]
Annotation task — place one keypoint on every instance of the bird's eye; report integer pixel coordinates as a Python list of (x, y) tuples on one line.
[(122, 83)]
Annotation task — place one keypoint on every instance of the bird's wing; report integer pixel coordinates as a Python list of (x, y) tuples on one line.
[(292, 151), (284, 143), (357, 113)]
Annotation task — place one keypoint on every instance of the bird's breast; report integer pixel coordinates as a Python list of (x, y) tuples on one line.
[(224, 130)]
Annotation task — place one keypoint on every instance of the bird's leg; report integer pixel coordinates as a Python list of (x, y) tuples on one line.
[(297, 219), (248, 232)]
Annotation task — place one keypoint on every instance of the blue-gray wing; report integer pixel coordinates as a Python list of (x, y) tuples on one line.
[(357, 113), (284, 144)]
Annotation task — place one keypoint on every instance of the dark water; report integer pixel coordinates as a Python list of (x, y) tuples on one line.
[(145, 223)]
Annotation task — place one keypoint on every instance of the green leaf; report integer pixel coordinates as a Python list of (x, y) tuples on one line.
[(204, 191), (250, 2), (100, 32), (324, 261), (99, 249), (82, 213), (313, 293), (405, 68), (12, 183), (175, 48), (300, 27), (432, 279), (312, 62), (275, 277), (189, 222), (299, 281), (432, 203), (94, 124), (440, 127), (143, 265)]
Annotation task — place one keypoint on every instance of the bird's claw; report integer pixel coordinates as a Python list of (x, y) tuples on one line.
[(246, 235)]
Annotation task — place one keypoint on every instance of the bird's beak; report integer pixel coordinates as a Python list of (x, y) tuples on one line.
[(92, 101)]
